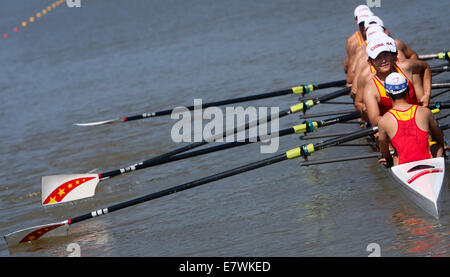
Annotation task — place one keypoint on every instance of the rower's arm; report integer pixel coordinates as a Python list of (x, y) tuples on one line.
[(423, 68), (371, 104), (383, 141), (409, 53), (350, 48), (359, 93)]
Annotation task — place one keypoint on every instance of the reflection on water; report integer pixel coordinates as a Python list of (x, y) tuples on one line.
[(418, 236)]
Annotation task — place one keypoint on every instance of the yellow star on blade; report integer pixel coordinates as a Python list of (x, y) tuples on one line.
[(84, 180), (77, 182), (69, 186), (61, 192), (31, 238), (52, 200)]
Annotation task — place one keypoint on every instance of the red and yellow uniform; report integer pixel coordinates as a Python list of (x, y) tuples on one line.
[(385, 103), (410, 142), (360, 39)]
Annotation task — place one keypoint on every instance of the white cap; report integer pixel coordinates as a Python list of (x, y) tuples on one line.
[(362, 17), (375, 19), (376, 46), (390, 42), (361, 9), (374, 32), (395, 83)]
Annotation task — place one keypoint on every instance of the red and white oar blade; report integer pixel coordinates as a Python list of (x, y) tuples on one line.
[(68, 187), (98, 123), (37, 232)]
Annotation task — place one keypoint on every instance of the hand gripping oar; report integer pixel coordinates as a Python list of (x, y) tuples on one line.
[(69, 187), (444, 55), (61, 228), (302, 89)]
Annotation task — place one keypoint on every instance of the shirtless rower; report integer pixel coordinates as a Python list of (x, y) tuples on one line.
[(357, 38), (376, 101), (407, 127)]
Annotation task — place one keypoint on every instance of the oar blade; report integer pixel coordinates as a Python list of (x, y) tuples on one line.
[(98, 123), (37, 232), (68, 187)]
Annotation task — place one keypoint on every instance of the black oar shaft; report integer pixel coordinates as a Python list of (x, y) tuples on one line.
[(333, 95), (170, 157), (444, 55), (352, 158), (162, 158), (349, 137), (441, 85), (302, 89), (182, 187), (294, 153)]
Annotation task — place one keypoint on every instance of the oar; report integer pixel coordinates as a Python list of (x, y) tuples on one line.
[(444, 55), (439, 93), (440, 85), (302, 89), (440, 68), (57, 189), (61, 228), (307, 127)]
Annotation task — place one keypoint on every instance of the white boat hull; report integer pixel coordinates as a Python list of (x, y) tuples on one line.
[(425, 183)]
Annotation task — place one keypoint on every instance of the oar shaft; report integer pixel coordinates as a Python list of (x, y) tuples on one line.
[(444, 55), (163, 158), (300, 89), (182, 187), (349, 137), (333, 95), (353, 158), (441, 85)]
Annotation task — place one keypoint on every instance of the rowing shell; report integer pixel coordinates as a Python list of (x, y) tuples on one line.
[(425, 183)]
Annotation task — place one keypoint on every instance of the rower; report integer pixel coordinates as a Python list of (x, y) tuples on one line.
[(407, 126), (364, 70), (358, 38), (359, 70), (376, 101)]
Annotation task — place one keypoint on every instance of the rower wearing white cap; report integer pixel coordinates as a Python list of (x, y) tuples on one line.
[(364, 70), (357, 38), (407, 126), (381, 57), (404, 52), (374, 27)]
